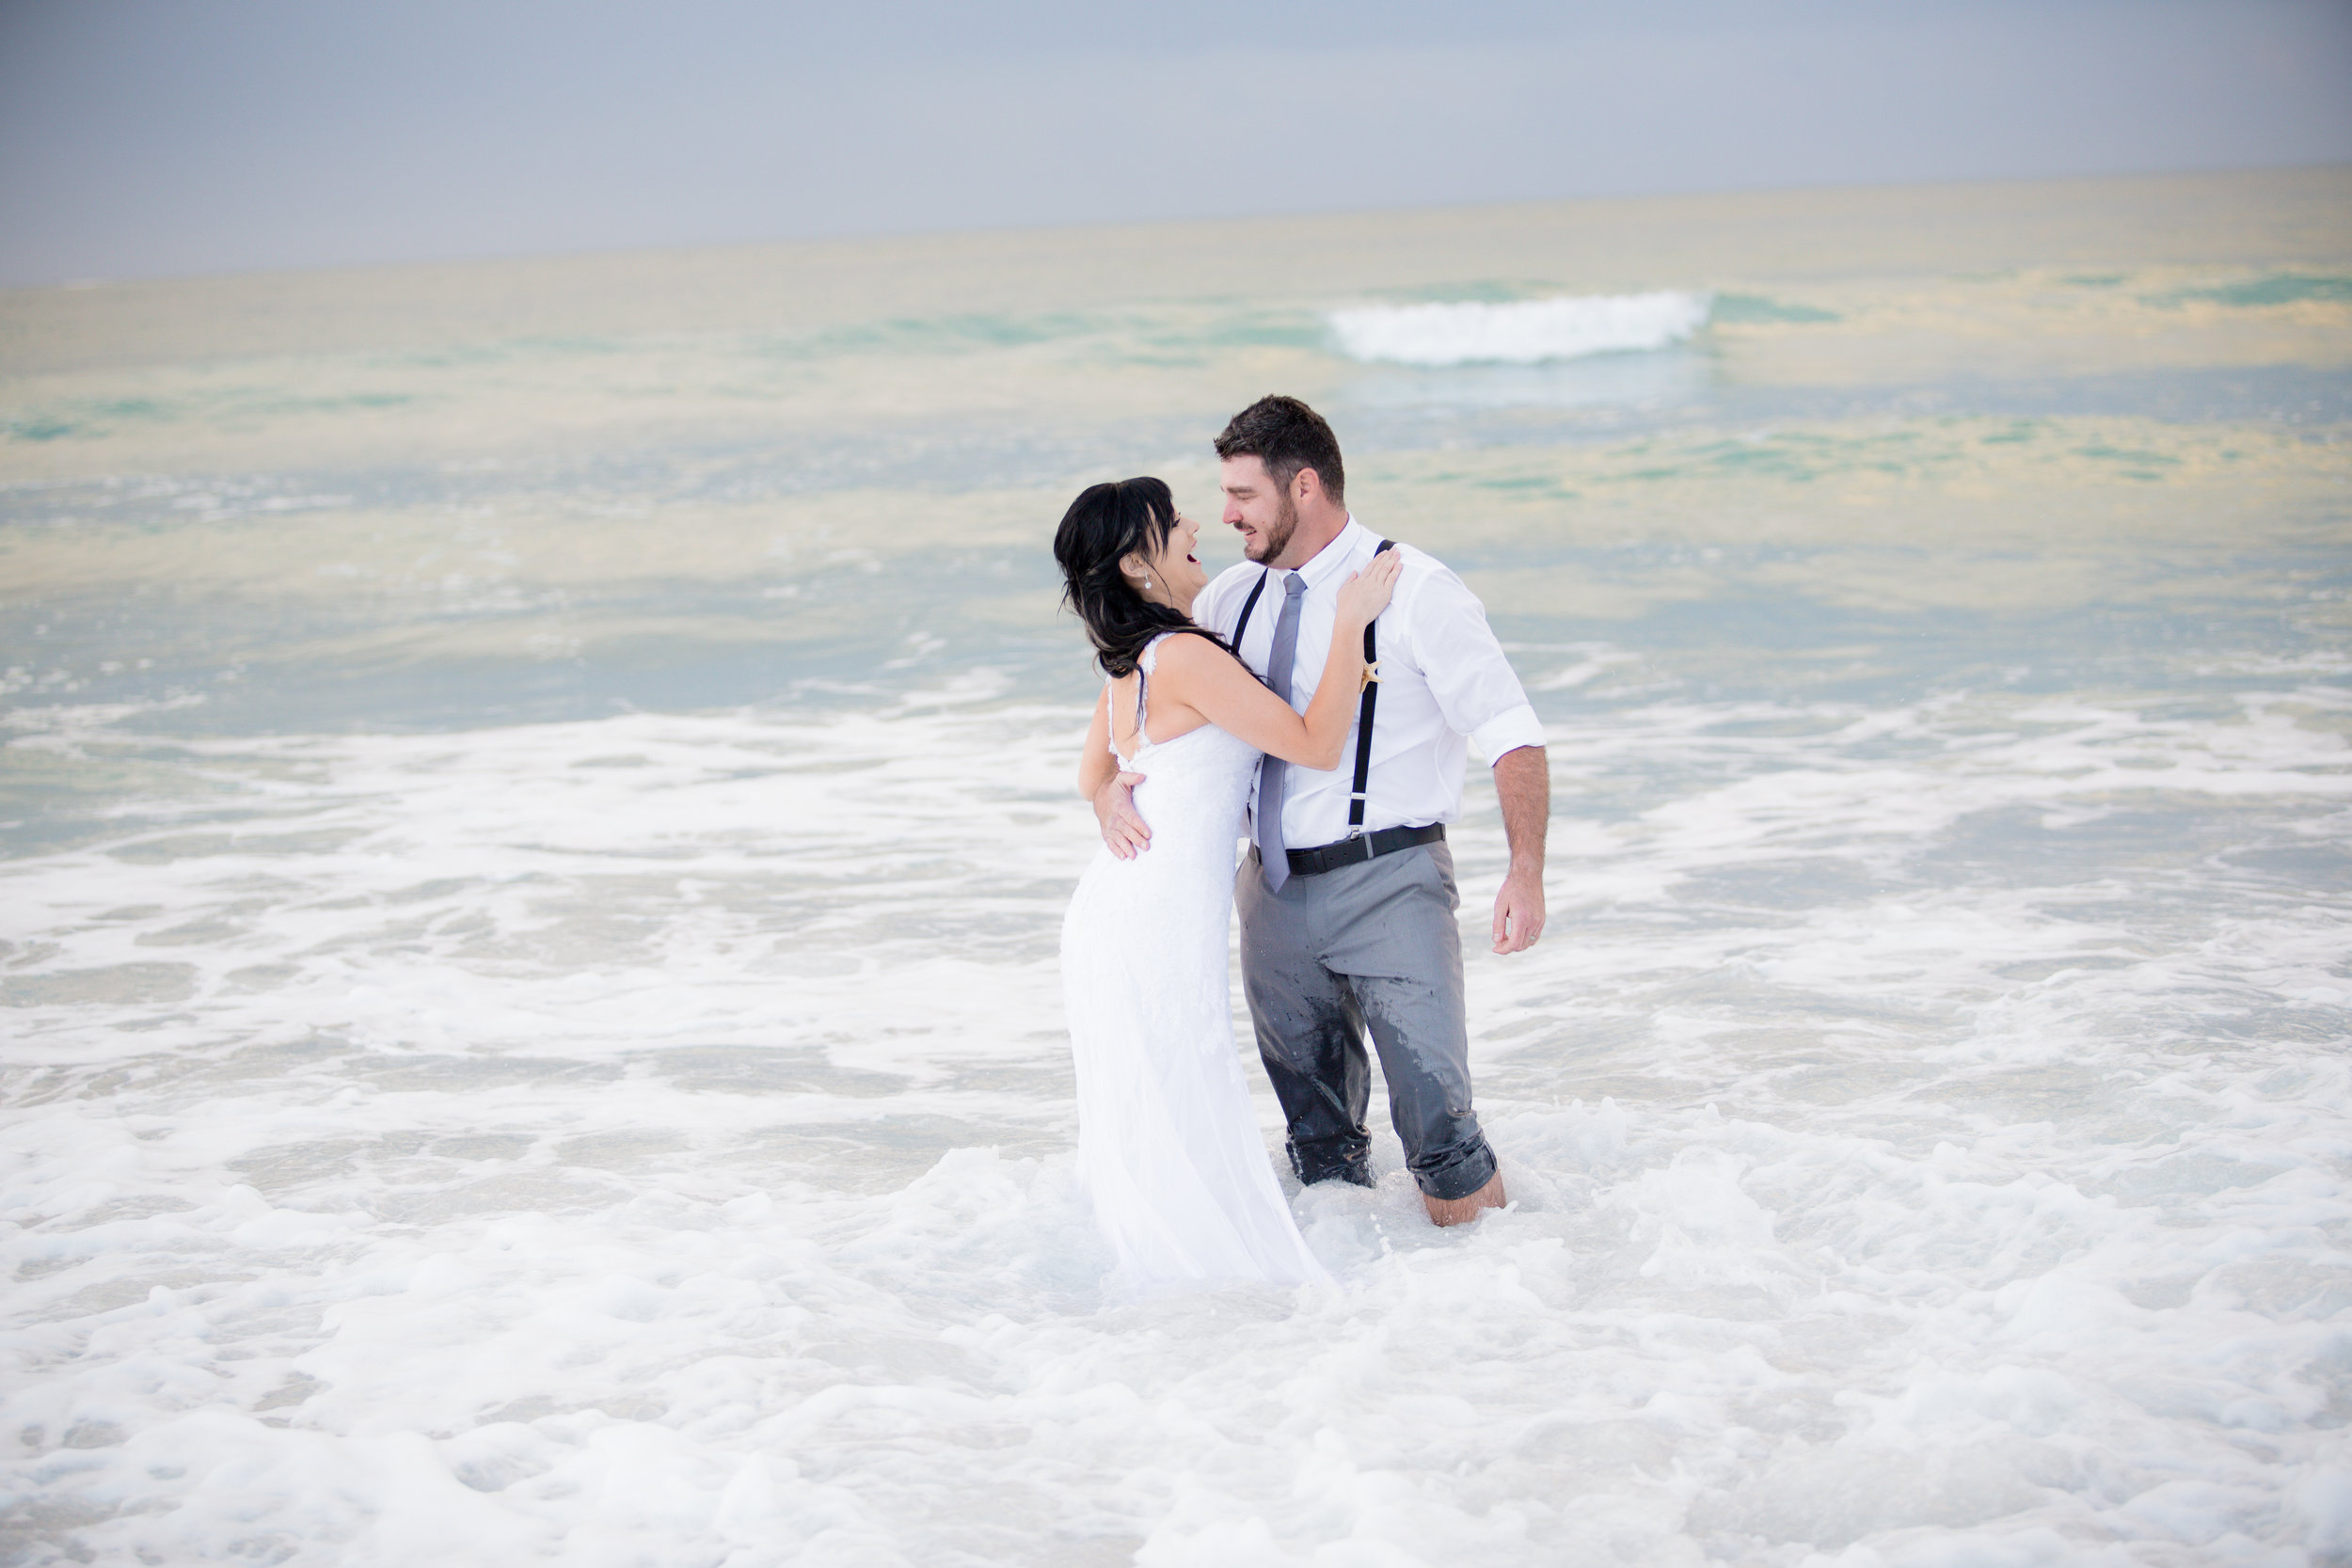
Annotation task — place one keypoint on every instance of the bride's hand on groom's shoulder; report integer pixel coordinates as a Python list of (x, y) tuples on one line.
[(1123, 831), (1366, 593)]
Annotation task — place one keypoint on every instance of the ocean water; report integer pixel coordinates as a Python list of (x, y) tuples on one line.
[(536, 805)]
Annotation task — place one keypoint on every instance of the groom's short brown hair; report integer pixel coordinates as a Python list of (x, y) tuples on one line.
[(1286, 435)]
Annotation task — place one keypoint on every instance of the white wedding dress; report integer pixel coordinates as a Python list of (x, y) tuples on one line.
[(1168, 1144)]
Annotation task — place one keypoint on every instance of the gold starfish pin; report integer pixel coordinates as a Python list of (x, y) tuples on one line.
[(1372, 673)]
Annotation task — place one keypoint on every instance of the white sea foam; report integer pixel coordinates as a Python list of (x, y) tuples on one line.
[(1527, 332), (648, 1140)]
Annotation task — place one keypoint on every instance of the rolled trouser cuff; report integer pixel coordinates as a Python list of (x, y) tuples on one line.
[(1344, 1158), (1455, 1172)]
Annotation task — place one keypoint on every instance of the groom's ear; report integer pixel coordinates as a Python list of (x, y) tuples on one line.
[(1305, 482)]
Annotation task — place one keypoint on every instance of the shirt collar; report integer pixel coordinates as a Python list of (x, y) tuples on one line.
[(1337, 556)]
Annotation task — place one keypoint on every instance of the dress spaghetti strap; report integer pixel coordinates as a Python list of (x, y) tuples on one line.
[(1145, 662), (1143, 689)]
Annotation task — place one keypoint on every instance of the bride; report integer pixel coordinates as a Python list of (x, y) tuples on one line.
[(1168, 1144)]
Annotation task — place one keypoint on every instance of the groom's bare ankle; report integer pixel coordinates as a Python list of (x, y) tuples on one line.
[(1460, 1210)]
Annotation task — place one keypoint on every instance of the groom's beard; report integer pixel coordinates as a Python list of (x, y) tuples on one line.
[(1278, 538)]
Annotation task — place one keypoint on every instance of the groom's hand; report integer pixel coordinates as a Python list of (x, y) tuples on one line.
[(1519, 911), (1115, 812), (1523, 788)]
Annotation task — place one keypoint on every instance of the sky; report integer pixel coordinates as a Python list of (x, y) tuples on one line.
[(164, 137)]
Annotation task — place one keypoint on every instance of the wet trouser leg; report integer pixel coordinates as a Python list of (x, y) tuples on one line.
[(1370, 949)]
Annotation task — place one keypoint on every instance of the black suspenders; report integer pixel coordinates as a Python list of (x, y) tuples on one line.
[(1363, 718), (1241, 627), (1363, 715)]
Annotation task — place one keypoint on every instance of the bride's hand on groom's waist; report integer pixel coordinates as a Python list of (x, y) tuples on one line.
[(1123, 831)]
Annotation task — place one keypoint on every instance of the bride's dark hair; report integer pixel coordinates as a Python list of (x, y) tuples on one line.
[(1106, 524)]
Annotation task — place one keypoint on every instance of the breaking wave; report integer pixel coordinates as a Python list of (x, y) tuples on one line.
[(1525, 333)]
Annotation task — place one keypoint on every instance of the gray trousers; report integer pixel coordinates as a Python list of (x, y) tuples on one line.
[(1372, 949)]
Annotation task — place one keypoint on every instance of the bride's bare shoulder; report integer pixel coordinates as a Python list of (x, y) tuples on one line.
[(1186, 666), (1189, 655)]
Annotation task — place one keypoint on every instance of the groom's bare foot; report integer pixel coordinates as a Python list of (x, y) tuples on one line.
[(1461, 1211)]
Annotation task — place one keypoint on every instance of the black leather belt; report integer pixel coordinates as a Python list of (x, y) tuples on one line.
[(1355, 851)]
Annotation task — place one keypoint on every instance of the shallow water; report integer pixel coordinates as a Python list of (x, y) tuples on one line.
[(530, 915)]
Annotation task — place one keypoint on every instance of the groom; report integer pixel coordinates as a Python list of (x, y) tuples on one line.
[(1347, 916)]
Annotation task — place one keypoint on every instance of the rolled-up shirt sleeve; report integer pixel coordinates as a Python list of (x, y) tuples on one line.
[(1476, 689), (1506, 732)]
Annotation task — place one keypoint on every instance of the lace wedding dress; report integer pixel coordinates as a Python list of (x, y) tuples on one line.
[(1168, 1144)]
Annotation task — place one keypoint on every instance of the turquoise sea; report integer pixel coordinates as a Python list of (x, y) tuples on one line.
[(536, 805)]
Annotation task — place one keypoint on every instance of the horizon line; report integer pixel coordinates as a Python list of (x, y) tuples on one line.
[(853, 239)]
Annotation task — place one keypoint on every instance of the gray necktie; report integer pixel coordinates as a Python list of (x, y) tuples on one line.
[(1273, 857)]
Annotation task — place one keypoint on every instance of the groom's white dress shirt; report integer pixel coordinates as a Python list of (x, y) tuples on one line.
[(1445, 685)]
